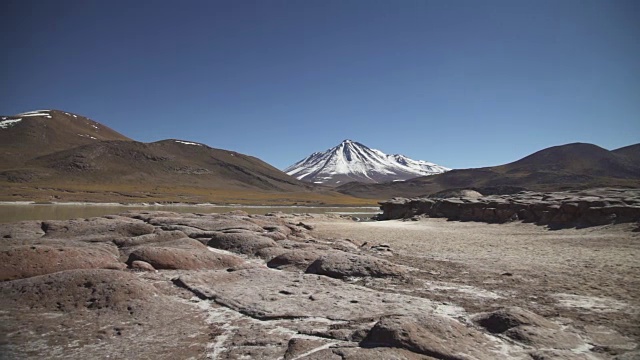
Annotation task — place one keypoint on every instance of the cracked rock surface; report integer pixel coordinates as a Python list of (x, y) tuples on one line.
[(163, 285)]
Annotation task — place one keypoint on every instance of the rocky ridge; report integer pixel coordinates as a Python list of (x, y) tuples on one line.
[(194, 286), (558, 209)]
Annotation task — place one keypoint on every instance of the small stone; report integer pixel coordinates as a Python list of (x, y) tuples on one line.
[(142, 266)]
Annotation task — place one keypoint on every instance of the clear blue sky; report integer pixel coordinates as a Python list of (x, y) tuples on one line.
[(460, 83)]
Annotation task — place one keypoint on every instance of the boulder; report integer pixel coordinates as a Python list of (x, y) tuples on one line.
[(142, 266), (90, 227), (277, 228), (295, 259), (23, 261), (339, 264), (175, 258), (268, 253), (297, 232), (528, 328), (276, 232), (344, 245), (432, 335), (97, 314), (274, 235), (306, 226), (502, 320), (297, 347), (21, 230), (354, 331), (157, 236), (247, 243), (181, 243), (70, 290)]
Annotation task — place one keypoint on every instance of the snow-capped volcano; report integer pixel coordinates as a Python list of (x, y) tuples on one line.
[(352, 161)]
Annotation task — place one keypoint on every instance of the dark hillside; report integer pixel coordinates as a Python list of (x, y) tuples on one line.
[(571, 166)]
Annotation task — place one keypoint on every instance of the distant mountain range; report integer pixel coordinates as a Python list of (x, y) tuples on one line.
[(55, 155), (51, 154), (565, 167), (353, 161)]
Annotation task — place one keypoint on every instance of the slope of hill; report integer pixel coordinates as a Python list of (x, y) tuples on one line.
[(35, 133), (166, 162), (630, 152), (353, 161), (55, 155), (571, 166)]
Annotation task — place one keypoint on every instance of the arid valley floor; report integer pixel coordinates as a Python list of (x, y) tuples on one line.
[(587, 278), (165, 285)]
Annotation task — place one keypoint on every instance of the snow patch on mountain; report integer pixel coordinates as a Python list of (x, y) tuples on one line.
[(34, 112), (352, 161), (7, 123), (188, 143), (44, 113)]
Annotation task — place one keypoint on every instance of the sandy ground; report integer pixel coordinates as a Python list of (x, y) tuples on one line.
[(588, 278)]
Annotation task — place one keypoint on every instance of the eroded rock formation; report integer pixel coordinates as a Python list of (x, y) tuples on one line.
[(194, 286), (562, 209)]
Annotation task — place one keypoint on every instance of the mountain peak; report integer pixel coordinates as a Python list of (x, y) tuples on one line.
[(353, 161)]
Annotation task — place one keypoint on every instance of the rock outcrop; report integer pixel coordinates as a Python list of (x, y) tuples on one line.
[(571, 208), (18, 262), (243, 242), (296, 259), (80, 314), (229, 286), (528, 328), (177, 258), (431, 335), (502, 320), (340, 265)]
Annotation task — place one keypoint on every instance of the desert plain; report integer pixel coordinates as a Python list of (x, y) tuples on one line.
[(163, 285), (589, 277)]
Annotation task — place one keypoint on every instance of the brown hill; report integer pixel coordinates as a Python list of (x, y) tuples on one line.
[(35, 133), (54, 155), (572, 166), (167, 162), (631, 152)]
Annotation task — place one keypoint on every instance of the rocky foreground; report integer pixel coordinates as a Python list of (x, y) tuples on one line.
[(581, 208), (236, 286)]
